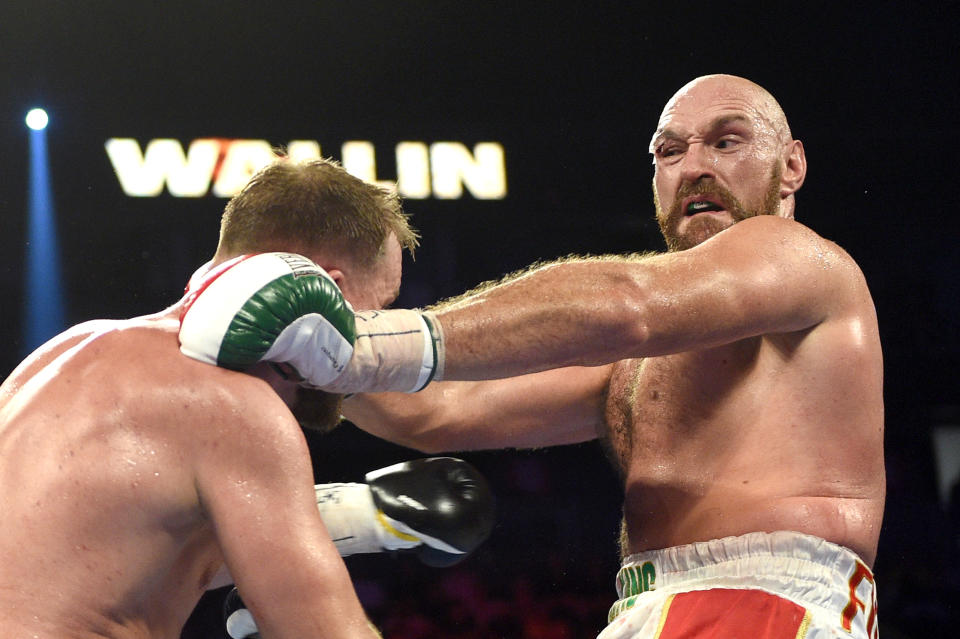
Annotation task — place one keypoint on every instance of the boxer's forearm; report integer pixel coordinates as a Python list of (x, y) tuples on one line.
[(570, 314), (550, 408)]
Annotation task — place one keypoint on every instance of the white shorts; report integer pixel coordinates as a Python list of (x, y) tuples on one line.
[(780, 585)]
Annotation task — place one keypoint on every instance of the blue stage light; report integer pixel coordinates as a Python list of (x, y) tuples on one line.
[(44, 314), (37, 119)]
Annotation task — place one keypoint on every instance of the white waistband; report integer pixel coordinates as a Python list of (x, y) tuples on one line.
[(803, 568)]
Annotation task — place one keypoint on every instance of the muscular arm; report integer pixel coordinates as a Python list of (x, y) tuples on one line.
[(764, 275), (255, 483), (554, 407)]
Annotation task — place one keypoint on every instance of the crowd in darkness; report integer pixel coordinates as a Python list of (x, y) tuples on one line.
[(547, 571)]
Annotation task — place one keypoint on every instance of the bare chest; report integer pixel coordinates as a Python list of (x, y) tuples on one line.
[(655, 403)]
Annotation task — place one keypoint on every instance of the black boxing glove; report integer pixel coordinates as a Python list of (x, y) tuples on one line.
[(443, 503), (440, 507)]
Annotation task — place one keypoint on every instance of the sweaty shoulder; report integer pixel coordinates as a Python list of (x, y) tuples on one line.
[(219, 419), (771, 233), (157, 379), (227, 401), (796, 256)]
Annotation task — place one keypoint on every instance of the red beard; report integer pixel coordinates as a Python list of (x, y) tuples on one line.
[(703, 227)]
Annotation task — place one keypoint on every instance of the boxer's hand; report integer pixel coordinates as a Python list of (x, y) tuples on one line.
[(283, 308), (442, 502), (440, 506), (259, 307)]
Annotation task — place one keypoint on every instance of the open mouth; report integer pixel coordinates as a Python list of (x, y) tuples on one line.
[(702, 206)]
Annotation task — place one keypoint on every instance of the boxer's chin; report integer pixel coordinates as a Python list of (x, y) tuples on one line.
[(696, 230), (316, 410)]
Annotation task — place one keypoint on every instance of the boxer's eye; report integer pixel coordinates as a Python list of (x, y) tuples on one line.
[(726, 143), (667, 151)]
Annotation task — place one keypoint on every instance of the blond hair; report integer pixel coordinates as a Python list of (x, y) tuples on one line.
[(309, 207)]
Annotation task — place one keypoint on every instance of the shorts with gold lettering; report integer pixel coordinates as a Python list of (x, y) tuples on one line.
[(780, 585)]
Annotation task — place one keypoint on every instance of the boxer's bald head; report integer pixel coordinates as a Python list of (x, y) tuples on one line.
[(719, 89), (723, 152)]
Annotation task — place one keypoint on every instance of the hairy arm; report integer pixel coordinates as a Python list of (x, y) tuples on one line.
[(764, 275), (255, 483), (563, 406)]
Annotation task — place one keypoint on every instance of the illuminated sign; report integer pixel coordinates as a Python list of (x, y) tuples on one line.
[(444, 170)]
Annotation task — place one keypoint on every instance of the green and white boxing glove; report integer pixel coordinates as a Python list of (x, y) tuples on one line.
[(283, 308)]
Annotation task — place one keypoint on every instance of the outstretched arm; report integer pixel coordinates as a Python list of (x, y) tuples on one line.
[(563, 406), (764, 275)]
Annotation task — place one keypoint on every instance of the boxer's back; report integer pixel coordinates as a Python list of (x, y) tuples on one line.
[(102, 532)]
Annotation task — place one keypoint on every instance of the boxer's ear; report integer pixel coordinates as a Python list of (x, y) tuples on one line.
[(336, 275)]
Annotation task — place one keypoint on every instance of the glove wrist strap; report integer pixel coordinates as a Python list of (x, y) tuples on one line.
[(394, 351), (354, 522)]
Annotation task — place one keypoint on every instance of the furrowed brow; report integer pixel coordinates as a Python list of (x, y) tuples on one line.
[(726, 120), (661, 136), (717, 123)]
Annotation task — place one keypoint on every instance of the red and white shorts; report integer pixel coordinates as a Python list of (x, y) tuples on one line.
[(780, 585)]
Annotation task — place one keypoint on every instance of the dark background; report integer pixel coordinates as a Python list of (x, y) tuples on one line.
[(572, 91)]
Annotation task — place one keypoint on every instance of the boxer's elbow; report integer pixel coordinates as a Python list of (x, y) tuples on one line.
[(431, 434), (626, 325), (444, 429), (408, 432), (443, 439), (399, 419), (430, 442)]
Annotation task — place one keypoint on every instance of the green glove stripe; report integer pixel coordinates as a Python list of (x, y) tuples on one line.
[(271, 309)]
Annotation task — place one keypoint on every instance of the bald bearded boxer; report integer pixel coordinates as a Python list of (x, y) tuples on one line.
[(745, 408), (737, 380)]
